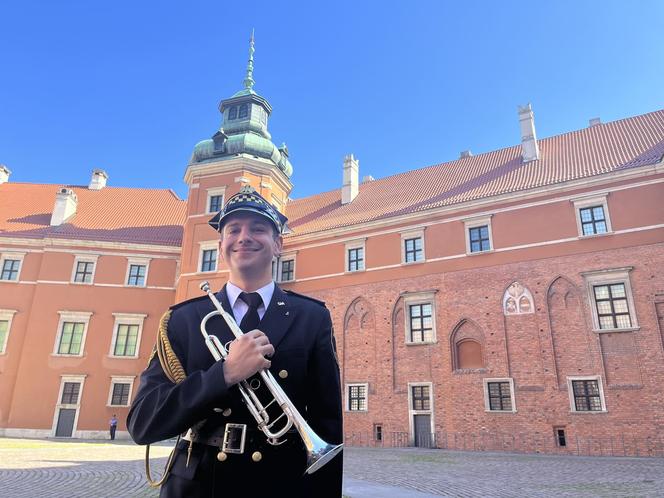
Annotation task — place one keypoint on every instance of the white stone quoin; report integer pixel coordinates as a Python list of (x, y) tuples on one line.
[(4, 173), (351, 179), (98, 180), (65, 206), (529, 147)]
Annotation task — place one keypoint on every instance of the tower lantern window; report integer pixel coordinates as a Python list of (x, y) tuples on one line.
[(244, 111), (232, 113)]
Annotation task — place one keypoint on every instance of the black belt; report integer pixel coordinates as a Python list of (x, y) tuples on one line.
[(232, 437)]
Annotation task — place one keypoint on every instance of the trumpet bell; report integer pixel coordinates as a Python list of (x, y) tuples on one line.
[(319, 457)]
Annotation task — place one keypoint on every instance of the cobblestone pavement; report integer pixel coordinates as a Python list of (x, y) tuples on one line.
[(82, 469)]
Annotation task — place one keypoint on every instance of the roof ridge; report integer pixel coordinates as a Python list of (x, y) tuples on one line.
[(495, 151)]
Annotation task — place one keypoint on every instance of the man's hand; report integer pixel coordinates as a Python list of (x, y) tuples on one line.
[(246, 356)]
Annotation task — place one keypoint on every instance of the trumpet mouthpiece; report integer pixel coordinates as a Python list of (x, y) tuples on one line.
[(205, 286)]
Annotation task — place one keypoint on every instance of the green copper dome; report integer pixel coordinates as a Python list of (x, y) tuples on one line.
[(244, 128)]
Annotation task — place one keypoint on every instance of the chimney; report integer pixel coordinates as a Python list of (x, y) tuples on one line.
[(4, 174), (98, 180), (465, 153), (65, 206), (594, 122), (351, 179), (529, 148)]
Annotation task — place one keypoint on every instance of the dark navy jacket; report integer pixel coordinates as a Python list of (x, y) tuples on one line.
[(300, 329)]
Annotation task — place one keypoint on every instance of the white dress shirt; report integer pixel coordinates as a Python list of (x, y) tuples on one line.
[(240, 308)]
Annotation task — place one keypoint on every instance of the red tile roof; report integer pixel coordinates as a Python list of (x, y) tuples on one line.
[(112, 214), (614, 146)]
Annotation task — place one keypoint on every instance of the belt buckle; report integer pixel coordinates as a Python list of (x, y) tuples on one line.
[(234, 438)]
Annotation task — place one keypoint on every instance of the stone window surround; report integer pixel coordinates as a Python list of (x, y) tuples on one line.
[(526, 292), (212, 192), (355, 244), (366, 398), (605, 277), (12, 255), (585, 202), (474, 222), (127, 319), (487, 404), (206, 246), (76, 317), (425, 297), (8, 315), (118, 379), (412, 234), (570, 390), (288, 256), (58, 405), (137, 261), (412, 413), (84, 258)]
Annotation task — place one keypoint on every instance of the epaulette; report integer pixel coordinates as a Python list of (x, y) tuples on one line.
[(193, 299), (309, 298)]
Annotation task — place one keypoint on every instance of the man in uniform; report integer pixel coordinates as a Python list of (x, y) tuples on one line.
[(183, 390)]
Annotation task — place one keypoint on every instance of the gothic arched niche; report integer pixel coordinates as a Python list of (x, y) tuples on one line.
[(467, 346), (518, 300), (359, 316)]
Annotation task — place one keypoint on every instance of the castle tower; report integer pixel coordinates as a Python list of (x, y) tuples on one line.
[(240, 153)]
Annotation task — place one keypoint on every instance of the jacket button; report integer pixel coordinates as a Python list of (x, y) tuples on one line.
[(283, 374), (256, 456), (221, 456), (227, 412)]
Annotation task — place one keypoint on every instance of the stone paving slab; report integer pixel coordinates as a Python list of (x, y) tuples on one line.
[(85, 469)]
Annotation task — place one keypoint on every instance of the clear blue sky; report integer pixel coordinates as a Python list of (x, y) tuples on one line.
[(130, 87)]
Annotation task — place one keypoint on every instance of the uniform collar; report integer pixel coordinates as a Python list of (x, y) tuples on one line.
[(233, 292)]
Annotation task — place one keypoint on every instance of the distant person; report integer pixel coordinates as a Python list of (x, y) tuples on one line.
[(113, 425)]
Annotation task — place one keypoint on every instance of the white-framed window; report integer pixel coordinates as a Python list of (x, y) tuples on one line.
[(283, 268), (412, 246), (72, 330), (215, 200), (479, 238), (120, 392), (355, 255), (137, 272), (208, 256), (499, 395), (83, 271), (420, 316), (6, 317), (586, 394), (10, 266), (592, 216), (611, 301), (357, 397), (127, 332)]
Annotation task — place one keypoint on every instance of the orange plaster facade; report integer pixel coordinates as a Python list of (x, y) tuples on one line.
[(536, 355)]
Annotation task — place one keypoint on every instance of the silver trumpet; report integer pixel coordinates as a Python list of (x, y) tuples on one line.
[(318, 451)]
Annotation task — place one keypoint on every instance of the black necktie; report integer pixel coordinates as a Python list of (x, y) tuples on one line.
[(251, 318)]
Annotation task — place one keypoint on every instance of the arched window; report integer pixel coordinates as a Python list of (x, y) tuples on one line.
[(244, 111), (232, 113), (467, 347), (517, 300)]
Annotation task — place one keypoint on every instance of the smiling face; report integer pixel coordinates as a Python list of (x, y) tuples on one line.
[(248, 244)]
